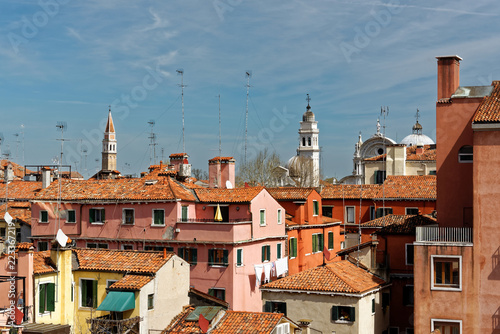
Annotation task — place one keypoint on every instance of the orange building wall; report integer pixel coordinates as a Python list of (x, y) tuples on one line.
[(399, 207)]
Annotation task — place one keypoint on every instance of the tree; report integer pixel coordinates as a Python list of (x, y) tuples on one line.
[(301, 170), (259, 171), (199, 174)]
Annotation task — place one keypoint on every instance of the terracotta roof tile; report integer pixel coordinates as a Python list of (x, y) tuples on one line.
[(177, 155), (24, 246), (349, 191), (404, 224), (221, 195), (408, 187), (179, 324), (20, 190), (131, 282), (290, 193), (247, 322), (18, 169), (340, 277), (215, 159), (162, 188), (209, 297), (42, 263), (142, 262), (489, 109), (356, 247), (18, 210)]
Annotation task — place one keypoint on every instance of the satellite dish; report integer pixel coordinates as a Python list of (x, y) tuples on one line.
[(8, 218), (229, 185), (61, 238)]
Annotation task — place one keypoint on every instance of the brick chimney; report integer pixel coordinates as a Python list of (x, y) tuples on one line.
[(221, 170), (448, 78)]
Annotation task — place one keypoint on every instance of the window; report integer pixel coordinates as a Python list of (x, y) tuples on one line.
[(70, 216), (465, 154), (275, 307), (47, 294), (266, 253), (447, 326), (446, 272), (43, 245), (151, 301), (330, 240), (308, 141), (109, 282), (128, 217), (88, 289), (343, 313), (383, 212), (262, 217), (279, 216), (431, 172), (303, 141), (349, 214), (408, 295), (239, 257), (217, 293), (342, 244), (386, 300), (278, 251), (292, 252), (158, 217), (317, 242), (44, 216), (218, 257), (96, 215), (315, 208), (184, 213), (373, 305), (127, 247), (327, 211), (188, 254), (372, 213), (97, 245), (409, 254), (2, 232), (411, 211), (380, 176)]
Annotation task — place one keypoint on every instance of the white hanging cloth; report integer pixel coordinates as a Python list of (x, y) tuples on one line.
[(258, 274), (267, 272)]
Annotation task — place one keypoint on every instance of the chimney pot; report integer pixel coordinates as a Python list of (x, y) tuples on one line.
[(448, 76)]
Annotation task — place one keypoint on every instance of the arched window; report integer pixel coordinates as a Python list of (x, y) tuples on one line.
[(465, 154), (309, 141), (303, 141)]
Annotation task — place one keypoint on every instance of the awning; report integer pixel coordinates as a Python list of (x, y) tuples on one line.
[(118, 301)]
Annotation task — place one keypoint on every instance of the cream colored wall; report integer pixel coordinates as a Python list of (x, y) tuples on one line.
[(318, 308), (411, 168), (419, 168), (47, 317), (170, 287)]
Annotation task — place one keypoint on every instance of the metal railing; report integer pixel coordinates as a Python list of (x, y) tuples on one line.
[(211, 220), (435, 234)]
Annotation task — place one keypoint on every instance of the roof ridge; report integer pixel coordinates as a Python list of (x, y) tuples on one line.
[(330, 267)]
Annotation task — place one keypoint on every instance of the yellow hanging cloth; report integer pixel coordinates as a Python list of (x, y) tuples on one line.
[(218, 214)]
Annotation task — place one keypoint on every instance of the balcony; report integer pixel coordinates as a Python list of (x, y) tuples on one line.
[(457, 236), (105, 325)]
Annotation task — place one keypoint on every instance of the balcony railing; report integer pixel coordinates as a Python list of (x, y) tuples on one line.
[(104, 325), (435, 234), (211, 220)]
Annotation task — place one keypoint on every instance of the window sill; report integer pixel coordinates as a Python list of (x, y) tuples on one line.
[(219, 265), (444, 288), (343, 322), (67, 222), (97, 223), (157, 225), (127, 224), (43, 222)]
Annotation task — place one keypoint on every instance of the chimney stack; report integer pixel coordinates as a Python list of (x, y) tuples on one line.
[(46, 177), (8, 172), (448, 78)]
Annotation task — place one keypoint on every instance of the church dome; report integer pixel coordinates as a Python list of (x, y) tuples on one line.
[(417, 139), (308, 115)]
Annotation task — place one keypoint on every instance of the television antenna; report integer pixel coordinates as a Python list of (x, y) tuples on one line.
[(181, 73), (22, 136), (61, 126), (248, 75), (17, 145), (152, 144)]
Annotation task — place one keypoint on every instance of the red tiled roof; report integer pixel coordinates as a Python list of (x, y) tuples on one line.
[(120, 261), (17, 210), (20, 190), (340, 277), (349, 191), (221, 195), (290, 193), (215, 159), (164, 188), (18, 169), (177, 155), (408, 187), (489, 109), (209, 297), (131, 282), (180, 325), (247, 322), (404, 224), (356, 247), (42, 263), (24, 246), (429, 154)]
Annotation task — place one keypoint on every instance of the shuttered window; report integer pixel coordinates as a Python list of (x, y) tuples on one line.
[(47, 297), (218, 257), (293, 248), (266, 253)]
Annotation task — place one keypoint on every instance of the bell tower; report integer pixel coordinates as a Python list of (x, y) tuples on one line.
[(109, 146), (309, 143)]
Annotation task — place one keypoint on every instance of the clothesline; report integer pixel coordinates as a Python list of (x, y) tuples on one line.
[(277, 268)]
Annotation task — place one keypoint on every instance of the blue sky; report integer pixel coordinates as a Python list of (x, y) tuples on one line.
[(67, 60)]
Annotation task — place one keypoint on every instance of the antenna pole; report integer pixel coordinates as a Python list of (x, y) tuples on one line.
[(248, 74), (152, 149), (220, 132), (384, 111), (181, 72)]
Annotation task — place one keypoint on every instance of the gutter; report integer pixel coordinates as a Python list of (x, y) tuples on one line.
[(358, 295)]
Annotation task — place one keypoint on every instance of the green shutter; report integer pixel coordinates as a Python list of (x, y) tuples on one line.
[(321, 242), (51, 297), (373, 305), (268, 307), (211, 256), (330, 240), (211, 292), (41, 293), (262, 217), (180, 251), (239, 259), (71, 216), (263, 253), (314, 242), (94, 293), (352, 313), (335, 313), (225, 260), (83, 297), (278, 251), (293, 247), (91, 215), (194, 258), (316, 208), (184, 213), (268, 251), (103, 216)]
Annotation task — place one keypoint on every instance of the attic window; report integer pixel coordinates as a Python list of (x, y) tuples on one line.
[(150, 182), (465, 154)]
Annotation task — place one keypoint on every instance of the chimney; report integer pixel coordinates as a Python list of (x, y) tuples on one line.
[(8, 172), (448, 77), (304, 326), (46, 177), (221, 170)]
